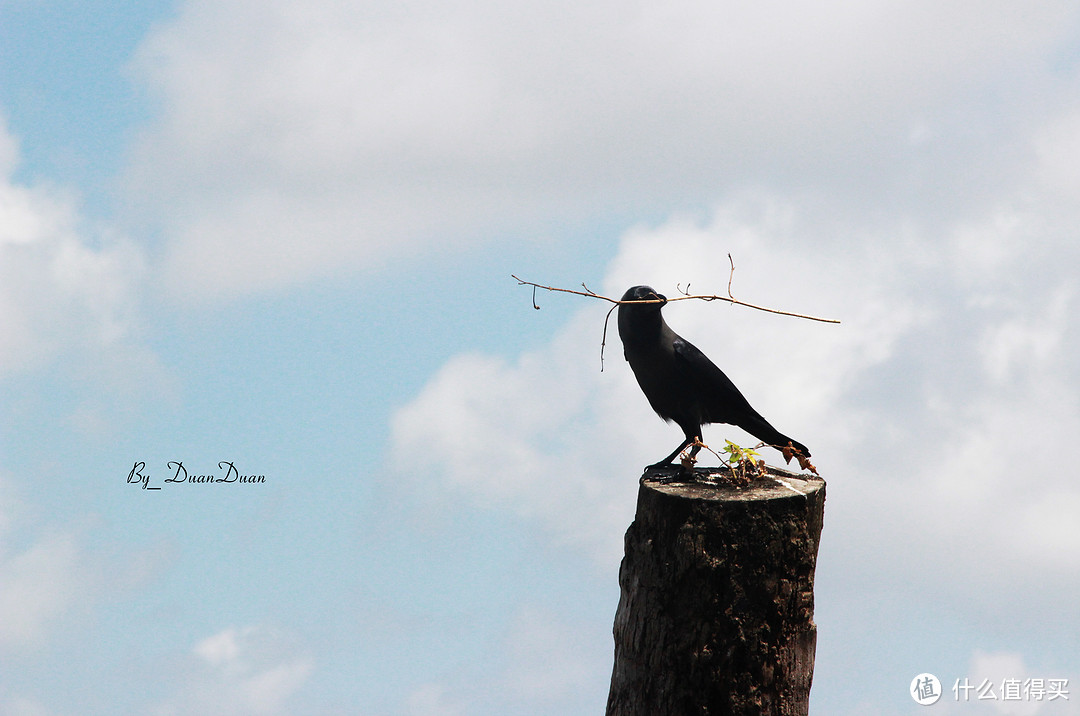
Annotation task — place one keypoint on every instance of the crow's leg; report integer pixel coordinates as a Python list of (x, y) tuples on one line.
[(697, 447), (682, 446)]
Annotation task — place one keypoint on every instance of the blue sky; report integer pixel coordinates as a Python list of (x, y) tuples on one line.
[(281, 234)]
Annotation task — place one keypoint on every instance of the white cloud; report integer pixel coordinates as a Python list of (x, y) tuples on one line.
[(71, 294), (52, 581), (37, 587), (490, 425), (58, 290), (23, 707), (547, 660), (997, 666), (1027, 342), (997, 675), (296, 139), (542, 664), (1058, 148), (431, 700), (43, 579), (238, 672)]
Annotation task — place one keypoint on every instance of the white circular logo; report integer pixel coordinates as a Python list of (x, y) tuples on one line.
[(925, 689)]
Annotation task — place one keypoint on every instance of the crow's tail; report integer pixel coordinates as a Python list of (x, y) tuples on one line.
[(766, 433)]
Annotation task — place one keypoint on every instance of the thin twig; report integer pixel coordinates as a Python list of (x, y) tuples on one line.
[(586, 292), (603, 338), (730, 299), (730, 277)]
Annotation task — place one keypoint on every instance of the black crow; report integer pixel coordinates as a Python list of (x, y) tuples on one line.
[(681, 383)]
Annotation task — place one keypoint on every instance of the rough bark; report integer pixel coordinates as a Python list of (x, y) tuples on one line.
[(717, 597)]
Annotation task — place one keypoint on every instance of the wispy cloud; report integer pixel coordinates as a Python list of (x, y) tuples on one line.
[(62, 286), (544, 664), (38, 586), (71, 293), (293, 142), (238, 672), (46, 575)]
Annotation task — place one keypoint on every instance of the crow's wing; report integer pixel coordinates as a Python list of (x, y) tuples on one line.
[(720, 400)]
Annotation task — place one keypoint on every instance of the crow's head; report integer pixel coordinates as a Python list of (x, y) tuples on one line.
[(640, 324), (645, 293)]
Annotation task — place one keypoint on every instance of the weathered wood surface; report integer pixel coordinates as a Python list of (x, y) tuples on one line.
[(717, 597)]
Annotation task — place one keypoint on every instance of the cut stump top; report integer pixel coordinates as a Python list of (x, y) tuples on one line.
[(715, 483)]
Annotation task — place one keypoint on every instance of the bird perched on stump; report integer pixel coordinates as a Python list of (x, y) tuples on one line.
[(682, 384)]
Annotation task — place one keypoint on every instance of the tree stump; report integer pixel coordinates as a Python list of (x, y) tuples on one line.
[(717, 596)]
